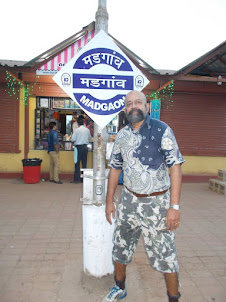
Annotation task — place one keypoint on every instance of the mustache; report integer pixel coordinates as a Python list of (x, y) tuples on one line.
[(135, 110)]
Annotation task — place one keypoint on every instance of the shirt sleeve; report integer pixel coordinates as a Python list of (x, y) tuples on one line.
[(170, 149), (73, 138), (116, 160)]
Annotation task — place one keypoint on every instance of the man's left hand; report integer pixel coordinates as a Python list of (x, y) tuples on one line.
[(172, 219)]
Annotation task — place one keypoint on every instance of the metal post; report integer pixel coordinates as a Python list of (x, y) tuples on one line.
[(97, 232), (99, 152), (101, 17)]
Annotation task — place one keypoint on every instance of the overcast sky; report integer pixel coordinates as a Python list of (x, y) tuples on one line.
[(166, 34)]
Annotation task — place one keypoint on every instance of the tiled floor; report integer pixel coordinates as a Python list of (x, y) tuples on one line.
[(41, 248)]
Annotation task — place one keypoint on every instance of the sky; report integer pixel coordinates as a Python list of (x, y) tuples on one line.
[(166, 34)]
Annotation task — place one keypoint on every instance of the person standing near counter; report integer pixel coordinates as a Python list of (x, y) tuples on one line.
[(80, 138), (53, 151)]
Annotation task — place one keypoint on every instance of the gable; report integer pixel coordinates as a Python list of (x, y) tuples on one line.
[(52, 66)]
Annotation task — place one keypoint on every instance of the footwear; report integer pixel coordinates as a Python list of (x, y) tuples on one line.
[(174, 298), (74, 182), (115, 294), (58, 182), (51, 180)]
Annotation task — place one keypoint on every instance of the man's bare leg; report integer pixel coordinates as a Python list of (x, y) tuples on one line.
[(120, 274), (171, 283)]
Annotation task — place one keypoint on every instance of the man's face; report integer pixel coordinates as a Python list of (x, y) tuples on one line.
[(136, 107)]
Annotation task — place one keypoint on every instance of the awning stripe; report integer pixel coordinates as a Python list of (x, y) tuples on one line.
[(55, 64)]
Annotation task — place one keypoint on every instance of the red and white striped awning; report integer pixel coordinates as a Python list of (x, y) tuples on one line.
[(55, 64)]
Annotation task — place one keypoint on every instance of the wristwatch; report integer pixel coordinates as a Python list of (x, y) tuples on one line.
[(175, 206)]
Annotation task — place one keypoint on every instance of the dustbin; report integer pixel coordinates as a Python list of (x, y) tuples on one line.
[(31, 169)]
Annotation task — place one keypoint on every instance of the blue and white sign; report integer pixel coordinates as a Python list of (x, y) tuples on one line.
[(99, 77)]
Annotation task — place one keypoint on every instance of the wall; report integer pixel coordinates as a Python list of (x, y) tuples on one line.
[(11, 162), (203, 165)]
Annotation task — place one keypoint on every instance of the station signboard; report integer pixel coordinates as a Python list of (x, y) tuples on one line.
[(99, 77)]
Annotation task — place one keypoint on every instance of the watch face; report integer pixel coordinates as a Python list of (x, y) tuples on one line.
[(175, 206)]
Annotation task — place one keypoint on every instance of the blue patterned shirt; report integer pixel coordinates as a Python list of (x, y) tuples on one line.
[(145, 156)]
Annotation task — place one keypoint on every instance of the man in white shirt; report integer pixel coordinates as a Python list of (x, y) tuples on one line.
[(80, 138)]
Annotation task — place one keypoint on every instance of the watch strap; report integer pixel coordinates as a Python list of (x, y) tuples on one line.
[(175, 206)]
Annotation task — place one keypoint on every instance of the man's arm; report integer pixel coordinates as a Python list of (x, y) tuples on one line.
[(55, 142), (56, 148), (173, 216), (112, 185), (73, 138)]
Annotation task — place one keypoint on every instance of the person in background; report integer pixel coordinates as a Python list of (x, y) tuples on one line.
[(81, 116), (145, 149), (53, 151), (80, 138), (74, 124), (91, 127), (122, 120)]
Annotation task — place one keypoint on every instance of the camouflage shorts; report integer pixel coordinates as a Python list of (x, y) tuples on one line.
[(146, 215)]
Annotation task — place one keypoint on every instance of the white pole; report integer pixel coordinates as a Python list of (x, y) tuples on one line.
[(99, 152), (97, 232), (101, 17)]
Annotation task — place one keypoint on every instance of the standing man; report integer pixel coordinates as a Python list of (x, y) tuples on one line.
[(80, 138), (91, 127), (149, 205), (53, 151)]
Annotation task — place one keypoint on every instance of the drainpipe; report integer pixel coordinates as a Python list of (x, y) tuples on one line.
[(26, 129)]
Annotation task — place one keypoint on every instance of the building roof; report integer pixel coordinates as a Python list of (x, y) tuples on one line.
[(52, 52), (166, 71), (12, 63), (49, 54), (211, 64)]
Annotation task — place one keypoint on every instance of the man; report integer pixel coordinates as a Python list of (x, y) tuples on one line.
[(91, 127), (74, 124), (80, 138), (149, 205), (53, 151)]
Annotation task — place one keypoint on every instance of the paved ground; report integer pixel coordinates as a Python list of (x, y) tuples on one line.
[(41, 248)]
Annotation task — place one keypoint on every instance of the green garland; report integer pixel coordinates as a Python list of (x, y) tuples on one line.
[(165, 95), (15, 85)]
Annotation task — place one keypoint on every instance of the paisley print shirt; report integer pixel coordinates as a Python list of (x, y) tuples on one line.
[(145, 156)]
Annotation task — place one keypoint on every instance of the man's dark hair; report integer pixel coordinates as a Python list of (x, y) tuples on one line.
[(80, 121), (51, 125)]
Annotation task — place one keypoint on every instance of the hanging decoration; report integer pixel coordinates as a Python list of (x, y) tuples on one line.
[(164, 94), (14, 85), (155, 109)]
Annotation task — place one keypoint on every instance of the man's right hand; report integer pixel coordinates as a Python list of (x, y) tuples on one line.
[(112, 184), (110, 209)]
